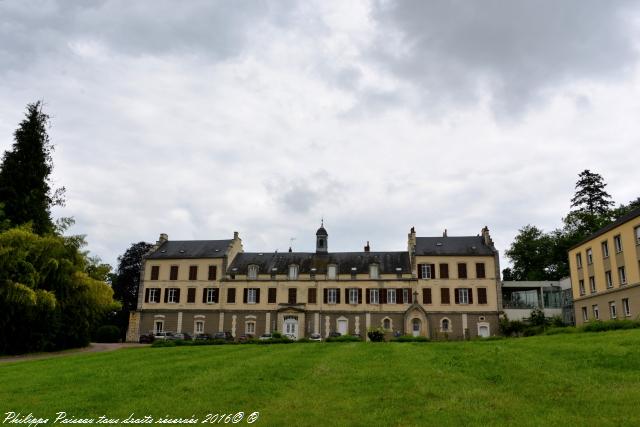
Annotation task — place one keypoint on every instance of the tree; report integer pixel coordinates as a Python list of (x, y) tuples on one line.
[(530, 253), (590, 196), (24, 174), (622, 210)]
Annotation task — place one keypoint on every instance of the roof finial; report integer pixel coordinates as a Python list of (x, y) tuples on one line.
[(322, 221)]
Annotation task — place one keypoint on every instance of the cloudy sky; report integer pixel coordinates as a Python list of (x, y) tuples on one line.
[(200, 118)]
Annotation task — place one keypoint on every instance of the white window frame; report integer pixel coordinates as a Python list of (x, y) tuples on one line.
[(332, 271), (374, 296), (637, 230), (154, 295), (589, 256), (608, 279), (463, 295), (596, 311), (426, 271), (605, 249), (617, 241), (332, 296), (374, 271), (251, 295), (252, 272), (155, 326), (625, 307), (622, 275), (210, 294), (581, 287), (387, 319), (171, 295), (405, 296), (585, 314), (198, 327), (250, 327), (613, 312), (391, 296), (449, 326), (353, 295), (592, 284), (293, 272), (579, 260)]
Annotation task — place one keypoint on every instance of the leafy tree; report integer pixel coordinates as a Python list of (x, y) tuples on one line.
[(127, 279), (530, 253), (25, 171), (622, 210)]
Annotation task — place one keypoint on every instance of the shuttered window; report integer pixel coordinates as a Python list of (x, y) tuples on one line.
[(272, 295), (193, 272), (210, 295), (172, 295), (426, 296), (444, 271), (444, 296), (480, 274), (482, 295), (391, 296), (312, 296), (155, 272), (173, 274), (152, 295), (231, 295), (462, 270), (212, 272), (191, 295), (293, 294)]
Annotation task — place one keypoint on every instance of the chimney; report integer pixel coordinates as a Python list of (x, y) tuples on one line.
[(444, 233), (235, 235), (367, 248), (163, 238), (411, 244), (487, 237)]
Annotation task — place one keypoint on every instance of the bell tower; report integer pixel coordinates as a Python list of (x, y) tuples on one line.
[(322, 238)]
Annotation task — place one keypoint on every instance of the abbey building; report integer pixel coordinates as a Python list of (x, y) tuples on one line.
[(443, 287)]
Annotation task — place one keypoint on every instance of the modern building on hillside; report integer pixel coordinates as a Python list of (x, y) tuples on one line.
[(441, 287), (519, 298), (605, 272)]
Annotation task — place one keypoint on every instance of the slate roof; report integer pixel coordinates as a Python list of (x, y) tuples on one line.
[(176, 249), (454, 245), (628, 217), (345, 261)]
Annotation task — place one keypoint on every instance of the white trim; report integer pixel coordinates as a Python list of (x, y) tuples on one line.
[(250, 316), (199, 316), (450, 329), (195, 327), (483, 324), (390, 328), (159, 316), (342, 319)]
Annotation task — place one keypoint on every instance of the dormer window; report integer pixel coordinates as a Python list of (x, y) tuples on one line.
[(354, 271), (274, 271), (252, 274), (374, 272), (331, 272), (312, 273), (293, 272)]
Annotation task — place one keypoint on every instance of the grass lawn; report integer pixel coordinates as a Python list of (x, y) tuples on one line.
[(574, 379)]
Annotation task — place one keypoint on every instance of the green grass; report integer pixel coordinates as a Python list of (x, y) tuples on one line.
[(567, 379)]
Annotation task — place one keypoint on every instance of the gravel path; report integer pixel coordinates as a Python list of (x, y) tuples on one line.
[(92, 348)]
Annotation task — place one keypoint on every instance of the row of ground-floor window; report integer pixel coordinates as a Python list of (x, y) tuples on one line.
[(620, 304), (299, 324)]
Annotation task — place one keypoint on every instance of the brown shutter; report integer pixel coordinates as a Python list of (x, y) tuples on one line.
[(359, 296), (383, 296), (193, 272), (426, 296), (271, 296), (444, 296), (470, 295), (244, 295), (400, 296), (346, 296), (325, 291), (212, 272), (433, 271), (258, 296), (155, 272), (482, 295), (166, 294), (191, 295), (462, 271), (173, 275), (410, 296), (337, 296), (456, 295), (178, 295), (231, 295), (480, 270), (368, 296), (216, 292), (444, 271), (146, 295), (419, 271), (312, 296), (204, 295), (293, 294)]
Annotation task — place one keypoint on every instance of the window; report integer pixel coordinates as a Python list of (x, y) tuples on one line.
[(250, 328), (585, 316), (253, 272), (155, 272), (374, 272), (579, 260), (374, 296), (272, 295), (293, 296), (480, 274), (596, 311), (482, 295), (193, 272), (589, 256), (211, 295), (463, 296), (312, 274), (613, 313), (581, 285), (444, 296), (637, 230), (462, 270), (391, 296), (274, 270), (353, 296), (251, 296), (386, 323), (444, 271), (199, 327), (605, 249), (173, 295), (293, 272), (617, 241), (622, 276), (426, 271), (445, 324), (173, 274), (312, 296), (153, 295), (332, 296), (426, 296), (212, 272), (354, 272), (191, 295), (625, 307), (159, 326), (231, 295), (405, 296), (608, 279), (331, 272), (592, 284)]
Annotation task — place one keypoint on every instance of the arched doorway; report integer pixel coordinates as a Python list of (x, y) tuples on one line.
[(416, 326), (291, 327)]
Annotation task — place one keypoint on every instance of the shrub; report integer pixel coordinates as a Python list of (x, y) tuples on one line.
[(163, 343), (344, 338), (556, 322), (510, 328), (610, 325), (537, 317), (410, 338), (108, 333), (376, 334), (533, 330), (276, 335), (562, 330)]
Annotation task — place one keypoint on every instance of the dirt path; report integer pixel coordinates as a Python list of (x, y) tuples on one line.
[(92, 348)]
